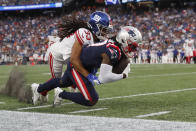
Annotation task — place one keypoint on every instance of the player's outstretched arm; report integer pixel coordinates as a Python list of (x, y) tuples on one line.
[(106, 75), (75, 59)]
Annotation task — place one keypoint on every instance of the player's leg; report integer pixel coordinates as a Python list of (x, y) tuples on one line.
[(87, 95), (51, 61), (49, 85), (56, 72), (56, 67)]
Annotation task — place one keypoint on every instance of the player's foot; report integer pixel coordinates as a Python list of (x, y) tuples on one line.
[(36, 94), (57, 99)]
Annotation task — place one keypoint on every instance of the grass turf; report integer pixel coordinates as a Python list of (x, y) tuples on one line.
[(143, 79)]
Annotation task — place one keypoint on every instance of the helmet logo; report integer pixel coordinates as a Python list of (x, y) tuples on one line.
[(132, 33), (96, 18)]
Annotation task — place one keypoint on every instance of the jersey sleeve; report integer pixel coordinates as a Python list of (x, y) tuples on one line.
[(113, 52), (84, 36)]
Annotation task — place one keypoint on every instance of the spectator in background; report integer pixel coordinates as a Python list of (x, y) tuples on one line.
[(194, 56), (148, 56), (135, 57), (175, 55), (160, 27), (182, 56), (159, 55)]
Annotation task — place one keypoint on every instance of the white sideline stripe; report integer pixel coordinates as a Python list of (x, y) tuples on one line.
[(153, 114), (60, 122), (82, 111), (2, 102), (118, 97), (174, 74)]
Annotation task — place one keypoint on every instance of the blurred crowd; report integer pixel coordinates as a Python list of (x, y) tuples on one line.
[(22, 38), (26, 2)]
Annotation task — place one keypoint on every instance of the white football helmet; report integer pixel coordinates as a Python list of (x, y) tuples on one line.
[(129, 37)]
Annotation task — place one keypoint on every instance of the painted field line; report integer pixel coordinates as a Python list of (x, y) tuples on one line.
[(46, 73), (144, 76), (117, 97), (2, 102), (146, 94), (83, 111), (174, 74), (153, 114), (37, 107)]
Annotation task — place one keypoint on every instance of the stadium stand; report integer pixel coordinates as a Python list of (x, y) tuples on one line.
[(25, 2), (22, 36)]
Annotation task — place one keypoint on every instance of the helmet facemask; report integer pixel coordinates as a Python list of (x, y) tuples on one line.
[(103, 32), (129, 47)]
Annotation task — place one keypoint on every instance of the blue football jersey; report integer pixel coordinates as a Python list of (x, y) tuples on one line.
[(91, 55)]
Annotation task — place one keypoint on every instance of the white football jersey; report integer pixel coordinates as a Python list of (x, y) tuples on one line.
[(144, 54), (170, 52), (189, 47), (62, 50), (52, 40), (153, 54), (189, 43)]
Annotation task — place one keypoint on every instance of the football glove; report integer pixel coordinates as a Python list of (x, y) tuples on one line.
[(93, 79), (94, 71)]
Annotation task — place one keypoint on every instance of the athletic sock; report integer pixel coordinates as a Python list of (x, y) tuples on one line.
[(49, 85)]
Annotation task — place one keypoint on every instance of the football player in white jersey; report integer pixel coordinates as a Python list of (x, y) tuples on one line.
[(189, 47), (52, 39), (74, 34), (153, 56), (170, 54)]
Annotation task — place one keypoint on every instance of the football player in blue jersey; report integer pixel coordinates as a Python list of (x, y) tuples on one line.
[(106, 56)]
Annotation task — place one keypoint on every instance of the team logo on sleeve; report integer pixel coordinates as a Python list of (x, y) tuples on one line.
[(114, 53), (114, 50)]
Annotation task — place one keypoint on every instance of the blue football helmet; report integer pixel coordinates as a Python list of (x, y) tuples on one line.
[(100, 24)]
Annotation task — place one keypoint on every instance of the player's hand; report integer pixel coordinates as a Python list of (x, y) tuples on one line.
[(93, 79), (94, 71), (124, 75)]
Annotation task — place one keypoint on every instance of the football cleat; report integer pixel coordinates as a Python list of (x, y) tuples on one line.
[(36, 94), (57, 99)]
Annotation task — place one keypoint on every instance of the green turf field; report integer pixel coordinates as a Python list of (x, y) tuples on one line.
[(149, 89)]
